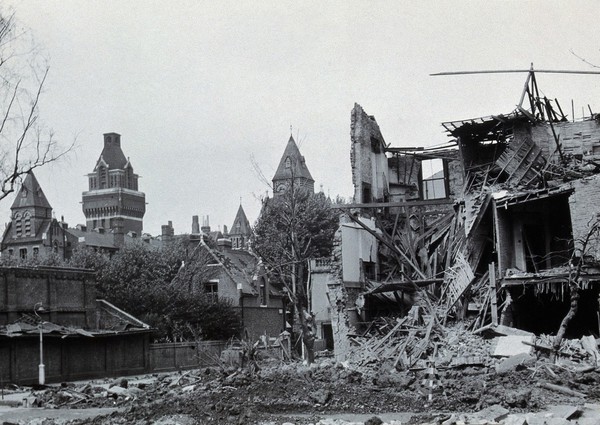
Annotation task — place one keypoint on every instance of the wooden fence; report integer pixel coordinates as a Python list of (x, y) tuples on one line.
[(166, 357)]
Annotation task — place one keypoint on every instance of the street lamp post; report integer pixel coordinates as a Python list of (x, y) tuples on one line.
[(41, 369)]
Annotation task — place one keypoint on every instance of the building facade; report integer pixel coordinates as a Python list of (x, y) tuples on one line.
[(113, 199), (32, 231)]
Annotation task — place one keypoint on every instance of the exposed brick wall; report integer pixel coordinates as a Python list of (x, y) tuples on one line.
[(584, 204), (576, 138), (338, 298), (367, 166)]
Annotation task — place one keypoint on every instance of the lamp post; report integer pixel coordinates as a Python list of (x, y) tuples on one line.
[(38, 307)]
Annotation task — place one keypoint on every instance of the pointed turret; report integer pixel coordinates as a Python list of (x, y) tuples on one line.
[(292, 167), (240, 230), (31, 194)]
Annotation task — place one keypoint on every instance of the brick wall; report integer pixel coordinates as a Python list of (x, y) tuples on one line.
[(68, 296), (584, 205), (367, 166)]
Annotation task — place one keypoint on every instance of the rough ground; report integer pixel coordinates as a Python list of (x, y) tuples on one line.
[(298, 394)]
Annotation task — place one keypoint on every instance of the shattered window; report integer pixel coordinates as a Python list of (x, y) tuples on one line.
[(433, 179)]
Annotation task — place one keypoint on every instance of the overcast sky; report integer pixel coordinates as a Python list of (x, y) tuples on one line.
[(196, 89)]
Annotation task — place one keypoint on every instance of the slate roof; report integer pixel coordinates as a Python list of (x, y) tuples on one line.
[(30, 194), (113, 156), (298, 167), (242, 221)]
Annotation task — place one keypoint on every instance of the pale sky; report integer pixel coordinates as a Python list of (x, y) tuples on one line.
[(197, 88)]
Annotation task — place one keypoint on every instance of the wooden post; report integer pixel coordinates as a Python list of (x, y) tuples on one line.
[(493, 300)]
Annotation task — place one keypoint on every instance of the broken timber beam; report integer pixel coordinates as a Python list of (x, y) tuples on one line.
[(561, 389), (390, 245), (396, 204)]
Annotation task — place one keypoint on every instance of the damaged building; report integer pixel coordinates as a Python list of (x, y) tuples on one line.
[(496, 225)]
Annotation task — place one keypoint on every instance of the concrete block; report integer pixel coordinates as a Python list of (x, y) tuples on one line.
[(512, 363), (507, 330), (565, 411), (515, 419), (494, 413), (511, 345)]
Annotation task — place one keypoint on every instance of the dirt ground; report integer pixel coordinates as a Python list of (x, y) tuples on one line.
[(294, 393)]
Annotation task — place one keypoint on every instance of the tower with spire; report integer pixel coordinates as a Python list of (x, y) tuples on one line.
[(113, 199), (240, 230), (292, 169), (32, 231)]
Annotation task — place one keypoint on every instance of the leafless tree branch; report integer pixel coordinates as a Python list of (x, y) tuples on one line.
[(24, 143), (583, 59)]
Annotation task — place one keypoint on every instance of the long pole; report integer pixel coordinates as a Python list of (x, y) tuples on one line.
[(42, 368)]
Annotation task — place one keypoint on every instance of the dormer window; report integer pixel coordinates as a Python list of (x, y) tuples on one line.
[(288, 162)]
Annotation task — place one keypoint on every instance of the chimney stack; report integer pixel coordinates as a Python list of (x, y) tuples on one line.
[(205, 225), (195, 225)]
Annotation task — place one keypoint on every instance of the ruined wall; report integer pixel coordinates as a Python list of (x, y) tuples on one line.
[(576, 138), (367, 157), (340, 321), (584, 204), (456, 179)]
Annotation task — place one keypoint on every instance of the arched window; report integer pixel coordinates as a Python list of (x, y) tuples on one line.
[(18, 225), (288, 162), (27, 219), (103, 177)]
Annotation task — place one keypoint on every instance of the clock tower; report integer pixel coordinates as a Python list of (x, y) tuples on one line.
[(292, 168), (113, 200)]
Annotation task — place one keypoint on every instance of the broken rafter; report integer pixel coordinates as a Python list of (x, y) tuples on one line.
[(507, 71), (418, 203), (401, 285), (390, 245)]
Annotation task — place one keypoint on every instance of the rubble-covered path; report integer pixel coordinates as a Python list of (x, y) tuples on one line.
[(298, 394)]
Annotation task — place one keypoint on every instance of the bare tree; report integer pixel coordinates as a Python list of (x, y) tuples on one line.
[(579, 255), (25, 144)]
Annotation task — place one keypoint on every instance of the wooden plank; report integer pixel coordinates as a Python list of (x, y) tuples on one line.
[(493, 298), (416, 203)]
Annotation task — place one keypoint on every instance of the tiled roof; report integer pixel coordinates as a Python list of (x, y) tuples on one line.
[(30, 194), (297, 167)]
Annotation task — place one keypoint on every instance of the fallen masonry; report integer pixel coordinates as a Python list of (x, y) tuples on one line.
[(461, 381)]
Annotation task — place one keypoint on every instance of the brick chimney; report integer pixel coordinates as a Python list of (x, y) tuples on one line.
[(195, 225), (167, 232)]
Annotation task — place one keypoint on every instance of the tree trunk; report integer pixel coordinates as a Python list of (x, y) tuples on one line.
[(574, 289), (306, 319)]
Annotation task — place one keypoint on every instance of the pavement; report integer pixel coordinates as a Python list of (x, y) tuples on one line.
[(16, 407)]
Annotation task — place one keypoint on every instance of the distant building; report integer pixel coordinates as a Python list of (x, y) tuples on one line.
[(32, 231), (239, 276), (241, 231), (292, 168), (113, 199)]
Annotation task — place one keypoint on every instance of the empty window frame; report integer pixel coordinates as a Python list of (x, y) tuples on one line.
[(434, 181)]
